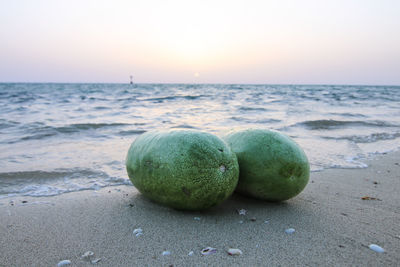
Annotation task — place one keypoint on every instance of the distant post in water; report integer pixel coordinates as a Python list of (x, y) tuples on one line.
[(131, 79)]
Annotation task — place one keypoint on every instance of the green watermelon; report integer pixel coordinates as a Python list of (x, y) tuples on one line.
[(272, 166), (182, 169)]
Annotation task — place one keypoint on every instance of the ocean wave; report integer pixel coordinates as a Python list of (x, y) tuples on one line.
[(37, 175), (372, 138), (39, 130), (37, 136), (184, 126), (131, 132), (239, 119), (4, 124), (252, 109), (267, 121), (334, 124), (102, 108), (129, 99), (356, 115), (50, 183), (176, 97), (87, 126), (23, 98), (247, 120)]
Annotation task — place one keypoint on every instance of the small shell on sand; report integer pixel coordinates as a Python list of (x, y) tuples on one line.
[(241, 211), (95, 260), (191, 253), (234, 251), (87, 255), (376, 248), (197, 218), (166, 253), (208, 251), (290, 231), (138, 231), (63, 263)]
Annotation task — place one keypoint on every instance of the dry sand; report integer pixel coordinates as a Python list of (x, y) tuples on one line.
[(333, 226)]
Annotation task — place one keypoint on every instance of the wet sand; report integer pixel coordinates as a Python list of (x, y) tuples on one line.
[(333, 225)]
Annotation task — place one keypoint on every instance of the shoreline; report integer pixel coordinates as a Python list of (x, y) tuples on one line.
[(362, 164), (333, 225)]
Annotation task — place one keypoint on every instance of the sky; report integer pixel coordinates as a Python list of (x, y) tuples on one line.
[(219, 41)]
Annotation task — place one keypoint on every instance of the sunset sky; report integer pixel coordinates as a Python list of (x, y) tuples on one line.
[(303, 41)]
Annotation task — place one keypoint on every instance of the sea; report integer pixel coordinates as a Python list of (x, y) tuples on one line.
[(60, 138)]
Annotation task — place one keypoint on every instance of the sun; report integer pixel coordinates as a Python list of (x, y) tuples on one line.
[(196, 74)]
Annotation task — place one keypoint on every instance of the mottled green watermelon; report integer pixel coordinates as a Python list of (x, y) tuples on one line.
[(183, 169), (272, 166)]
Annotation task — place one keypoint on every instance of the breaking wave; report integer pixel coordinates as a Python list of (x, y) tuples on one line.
[(335, 124)]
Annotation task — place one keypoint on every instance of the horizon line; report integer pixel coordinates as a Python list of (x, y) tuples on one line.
[(205, 83)]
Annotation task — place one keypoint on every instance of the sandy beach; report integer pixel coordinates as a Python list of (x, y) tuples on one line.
[(339, 214)]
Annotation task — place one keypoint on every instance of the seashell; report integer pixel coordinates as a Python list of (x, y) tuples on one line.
[(166, 253), (191, 253), (197, 218), (87, 255), (95, 260), (290, 231), (376, 248), (208, 251), (63, 263), (241, 211), (138, 231), (234, 251)]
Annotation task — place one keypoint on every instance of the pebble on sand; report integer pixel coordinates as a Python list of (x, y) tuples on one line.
[(208, 251), (95, 261), (138, 231), (376, 248), (166, 253), (290, 231), (63, 263), (242, 212), (234, 251), (87, 255)]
